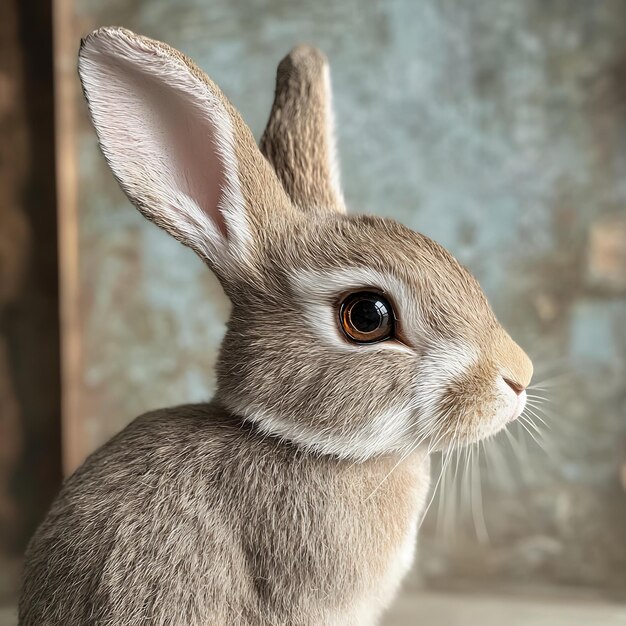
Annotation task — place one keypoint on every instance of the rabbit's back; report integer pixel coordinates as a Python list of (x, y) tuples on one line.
[(191, 517)]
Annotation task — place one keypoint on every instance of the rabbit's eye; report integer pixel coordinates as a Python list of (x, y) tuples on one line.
[(366, 317)]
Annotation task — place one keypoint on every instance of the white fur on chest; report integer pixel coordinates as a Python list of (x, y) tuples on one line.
[(367, 610)]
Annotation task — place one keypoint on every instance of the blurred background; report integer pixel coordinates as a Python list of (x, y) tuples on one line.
[(496, 127)]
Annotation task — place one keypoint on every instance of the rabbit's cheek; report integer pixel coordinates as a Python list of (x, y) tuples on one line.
[(442, 373)]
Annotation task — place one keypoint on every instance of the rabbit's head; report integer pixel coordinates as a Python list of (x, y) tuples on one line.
[(349, 335)]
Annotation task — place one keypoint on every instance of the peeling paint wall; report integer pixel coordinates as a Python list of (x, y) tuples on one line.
[(496, 127)]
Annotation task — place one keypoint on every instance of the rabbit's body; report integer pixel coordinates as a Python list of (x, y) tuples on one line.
[(191, 517), (355, 347)]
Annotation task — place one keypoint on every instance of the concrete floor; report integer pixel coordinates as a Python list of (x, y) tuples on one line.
[(439, 609)]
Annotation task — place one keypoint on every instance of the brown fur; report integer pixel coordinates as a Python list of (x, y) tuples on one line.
[(286, 501), (190, 517), (297, 139)]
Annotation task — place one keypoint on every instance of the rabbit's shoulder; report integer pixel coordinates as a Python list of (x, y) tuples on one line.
[(160, 450)]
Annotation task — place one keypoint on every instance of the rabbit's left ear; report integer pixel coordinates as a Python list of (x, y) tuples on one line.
[(179, 149), (299, 140)]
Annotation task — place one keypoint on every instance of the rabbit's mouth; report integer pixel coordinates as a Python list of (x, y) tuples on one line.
[(475, 405), (520, 405)]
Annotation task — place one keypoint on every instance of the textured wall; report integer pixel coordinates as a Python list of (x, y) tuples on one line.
[(498, 128)]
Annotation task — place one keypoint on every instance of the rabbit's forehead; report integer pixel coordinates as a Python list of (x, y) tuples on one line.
[(382, 244)]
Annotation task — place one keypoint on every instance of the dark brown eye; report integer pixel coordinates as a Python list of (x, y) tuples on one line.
[(366, 317)]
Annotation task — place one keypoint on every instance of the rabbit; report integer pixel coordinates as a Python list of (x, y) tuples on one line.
[(355, 348)]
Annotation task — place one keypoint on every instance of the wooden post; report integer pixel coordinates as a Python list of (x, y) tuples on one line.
[(29, 331), (65, 59)]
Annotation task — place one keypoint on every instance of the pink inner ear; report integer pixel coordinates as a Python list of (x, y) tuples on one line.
[(169, 141), (199, 166)]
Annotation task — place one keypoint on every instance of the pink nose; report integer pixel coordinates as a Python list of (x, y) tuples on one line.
[(516, 387)]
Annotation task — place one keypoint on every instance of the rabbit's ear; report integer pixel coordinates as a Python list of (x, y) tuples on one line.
[(178, 148), (299, 140)]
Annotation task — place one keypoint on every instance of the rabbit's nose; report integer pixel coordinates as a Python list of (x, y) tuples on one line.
[(516, 387), (514, 366)]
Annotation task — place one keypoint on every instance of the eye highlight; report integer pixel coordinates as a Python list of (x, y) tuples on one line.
[(366, 317)]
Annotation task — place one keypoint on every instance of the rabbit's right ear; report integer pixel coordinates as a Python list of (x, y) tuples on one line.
[(178, 148)]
